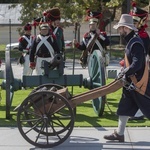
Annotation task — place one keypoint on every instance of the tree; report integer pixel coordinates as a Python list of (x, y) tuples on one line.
[(125, 7), (11, 1), (125, 4), (74, 10)]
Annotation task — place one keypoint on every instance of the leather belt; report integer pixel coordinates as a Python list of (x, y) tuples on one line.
[(44, 56)]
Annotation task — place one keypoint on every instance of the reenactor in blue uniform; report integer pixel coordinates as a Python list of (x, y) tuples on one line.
[(94, 39), (140, 17), (44, 48), (25, 43), (135, 72)]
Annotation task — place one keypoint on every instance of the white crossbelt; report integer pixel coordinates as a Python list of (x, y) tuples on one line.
[(55, 31), (92, 36), (29, 41), (99, 46), (46, 43), (96, 41)]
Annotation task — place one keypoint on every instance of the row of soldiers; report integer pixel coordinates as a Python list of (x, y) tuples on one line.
[(50, 40), (43, 46)]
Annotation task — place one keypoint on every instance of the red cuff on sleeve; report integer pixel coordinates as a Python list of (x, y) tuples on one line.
[(77, 45), (122, 63)]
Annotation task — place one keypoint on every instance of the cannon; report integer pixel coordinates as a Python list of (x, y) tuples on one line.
[(46, 118), (54, 74)]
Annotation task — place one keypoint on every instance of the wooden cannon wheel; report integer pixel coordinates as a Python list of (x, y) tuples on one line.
[(96, 69), (39, 124), (43, 87)]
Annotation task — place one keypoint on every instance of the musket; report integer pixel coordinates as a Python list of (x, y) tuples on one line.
[(75, 35), (34, 24)]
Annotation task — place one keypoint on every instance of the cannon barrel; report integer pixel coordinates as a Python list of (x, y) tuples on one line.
[(55, 61)]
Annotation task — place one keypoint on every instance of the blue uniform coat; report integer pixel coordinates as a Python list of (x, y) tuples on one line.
[(131, 101)]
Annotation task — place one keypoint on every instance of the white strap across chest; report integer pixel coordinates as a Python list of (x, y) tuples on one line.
[(29, 41), (55, 31), (96, 41), (92, 36), (46, 43), (99, 45)]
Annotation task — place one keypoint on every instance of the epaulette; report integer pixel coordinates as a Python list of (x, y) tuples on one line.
[(86, 34), (143, 34), (103, 32), (20, 39)]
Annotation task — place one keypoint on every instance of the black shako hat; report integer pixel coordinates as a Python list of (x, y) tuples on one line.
[(27, 27), (138, 14), (53, 14), (93, 17)]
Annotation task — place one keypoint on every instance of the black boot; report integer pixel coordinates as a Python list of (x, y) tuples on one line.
[(137, 118)]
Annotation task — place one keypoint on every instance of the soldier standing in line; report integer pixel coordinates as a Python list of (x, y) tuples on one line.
[(54, 17), (44, 48), (25, 43), (94, 39)]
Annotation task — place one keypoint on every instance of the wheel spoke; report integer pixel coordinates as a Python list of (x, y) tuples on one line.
[(40, 124), (39, 133)]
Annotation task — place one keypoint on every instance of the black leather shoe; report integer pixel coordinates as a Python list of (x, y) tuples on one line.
[(137, 118), (114, 137)]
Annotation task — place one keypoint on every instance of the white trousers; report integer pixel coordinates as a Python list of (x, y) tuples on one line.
[(38, 69), (26, 67)]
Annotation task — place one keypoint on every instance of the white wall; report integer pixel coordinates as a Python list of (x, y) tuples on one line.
[(68, 32)]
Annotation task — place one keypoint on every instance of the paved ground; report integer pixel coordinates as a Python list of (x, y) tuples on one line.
[(113, 66), (80, 138)]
